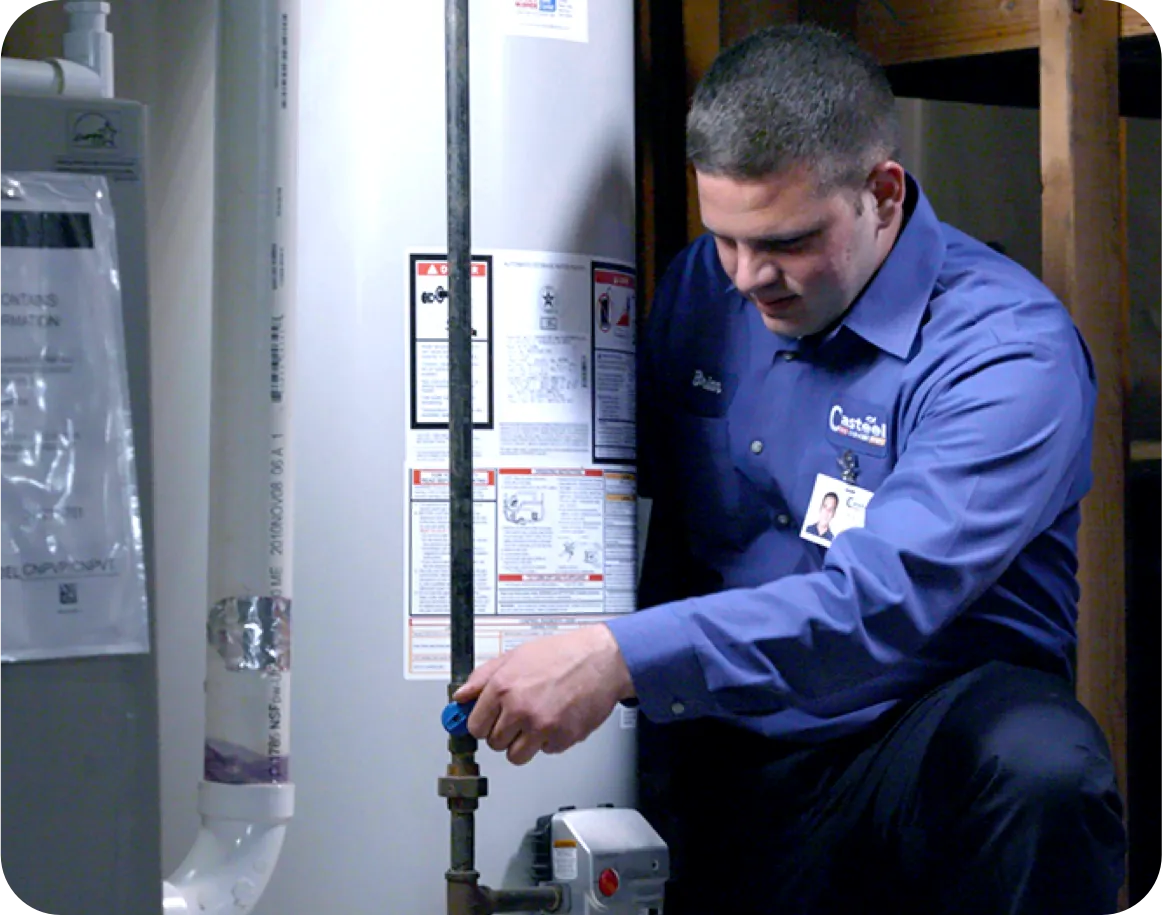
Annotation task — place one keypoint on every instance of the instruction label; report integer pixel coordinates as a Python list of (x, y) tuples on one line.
[(73, 576), (554, 505)]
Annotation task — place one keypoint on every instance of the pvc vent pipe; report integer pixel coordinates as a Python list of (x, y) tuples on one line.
[(89, 44), (247, 798), (86, 71)]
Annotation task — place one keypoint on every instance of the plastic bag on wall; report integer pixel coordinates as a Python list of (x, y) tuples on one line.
[(74, 576)]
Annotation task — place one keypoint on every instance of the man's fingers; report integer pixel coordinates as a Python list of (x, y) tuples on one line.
[(505, 730), (524, 748), (483, 718), (485, 712), (559, 743), (480, 676)]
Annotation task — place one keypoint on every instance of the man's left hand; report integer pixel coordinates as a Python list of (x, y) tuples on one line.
[(548, 694)]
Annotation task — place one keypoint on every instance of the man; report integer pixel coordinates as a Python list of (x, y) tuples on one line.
[(888, 724), (822, 527)]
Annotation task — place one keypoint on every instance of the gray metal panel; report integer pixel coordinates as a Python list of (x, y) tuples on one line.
[(79, 812)]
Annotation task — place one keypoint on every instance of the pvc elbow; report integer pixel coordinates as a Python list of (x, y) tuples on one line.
[(89, 44), (231, 862)]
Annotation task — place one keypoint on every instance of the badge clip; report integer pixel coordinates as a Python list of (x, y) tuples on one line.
[(849, 467)]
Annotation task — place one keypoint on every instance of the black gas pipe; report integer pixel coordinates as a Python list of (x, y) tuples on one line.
[(463, 784)]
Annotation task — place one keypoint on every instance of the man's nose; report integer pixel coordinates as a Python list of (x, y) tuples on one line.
[(754, 270)]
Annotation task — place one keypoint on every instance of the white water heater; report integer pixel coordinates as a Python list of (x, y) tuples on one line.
[(553, 190)]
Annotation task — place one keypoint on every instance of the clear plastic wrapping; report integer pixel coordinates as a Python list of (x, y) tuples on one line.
[(74, 574)]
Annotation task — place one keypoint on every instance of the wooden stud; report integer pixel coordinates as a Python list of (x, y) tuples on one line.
[(1085, 264)]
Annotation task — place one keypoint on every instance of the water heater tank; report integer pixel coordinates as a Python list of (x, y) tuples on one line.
[(554, 286)]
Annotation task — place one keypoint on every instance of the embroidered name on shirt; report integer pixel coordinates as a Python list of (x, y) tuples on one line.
[(699, 380), (863, 429)]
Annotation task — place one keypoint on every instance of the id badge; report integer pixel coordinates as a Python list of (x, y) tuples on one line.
[(834, 507)]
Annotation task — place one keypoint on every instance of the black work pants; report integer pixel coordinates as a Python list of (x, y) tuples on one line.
[(992, 795)]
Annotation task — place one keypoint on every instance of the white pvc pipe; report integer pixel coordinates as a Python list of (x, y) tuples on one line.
[(247, 798), (49, 77), (30, 77), (250, 505), (86, 71), (88, 43), (235, 852)]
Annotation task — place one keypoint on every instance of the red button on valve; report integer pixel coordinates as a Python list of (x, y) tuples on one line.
[(608, 882)]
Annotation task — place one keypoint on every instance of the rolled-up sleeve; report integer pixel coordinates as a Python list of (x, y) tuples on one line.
[(988, 463)]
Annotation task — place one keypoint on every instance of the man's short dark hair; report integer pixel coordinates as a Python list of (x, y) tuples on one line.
[(830, 495), (791, 96)]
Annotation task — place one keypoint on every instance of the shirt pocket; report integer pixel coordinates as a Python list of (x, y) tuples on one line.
[(707, 484)]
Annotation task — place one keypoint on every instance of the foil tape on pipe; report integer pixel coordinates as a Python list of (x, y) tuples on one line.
[(251, 633)]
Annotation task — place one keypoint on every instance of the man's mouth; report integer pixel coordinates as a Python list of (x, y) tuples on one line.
[(775, 304)]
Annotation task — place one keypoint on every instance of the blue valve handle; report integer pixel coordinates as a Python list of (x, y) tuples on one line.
[(455, 717)]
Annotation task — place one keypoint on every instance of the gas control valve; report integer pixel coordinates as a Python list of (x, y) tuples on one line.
[(608, 861)]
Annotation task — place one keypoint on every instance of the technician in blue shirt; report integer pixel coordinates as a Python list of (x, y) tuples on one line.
[(883, 722)]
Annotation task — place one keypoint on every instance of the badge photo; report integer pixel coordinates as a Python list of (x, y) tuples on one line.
[(834, 507)]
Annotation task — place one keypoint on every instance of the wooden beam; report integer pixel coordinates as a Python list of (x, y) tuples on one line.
[(901, 31), (838, 15), (701, 44), (1085, 263), (1132, 23), (739, 18)]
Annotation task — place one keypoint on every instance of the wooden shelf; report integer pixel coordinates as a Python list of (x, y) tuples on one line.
[(918, 30), (1012, 78)]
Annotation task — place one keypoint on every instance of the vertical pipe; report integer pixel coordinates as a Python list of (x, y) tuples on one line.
[(247, 798), (250, 478), (463, 893), (87, 42), (460, 337)]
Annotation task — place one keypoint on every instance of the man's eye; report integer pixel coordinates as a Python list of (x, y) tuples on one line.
[(784, 245)]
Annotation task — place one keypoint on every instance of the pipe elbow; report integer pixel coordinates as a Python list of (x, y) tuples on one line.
[(235, 853)]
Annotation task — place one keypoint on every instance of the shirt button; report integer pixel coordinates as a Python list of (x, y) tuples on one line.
[(788, 355), (757, 446), (783, 520), (678, 708)]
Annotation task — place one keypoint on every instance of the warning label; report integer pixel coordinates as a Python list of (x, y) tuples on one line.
[(430, 342), (613, 296)]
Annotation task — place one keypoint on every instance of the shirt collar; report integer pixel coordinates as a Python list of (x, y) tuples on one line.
[(890, 310)]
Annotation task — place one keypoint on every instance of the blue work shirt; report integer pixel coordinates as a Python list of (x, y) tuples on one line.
[(962, 394)]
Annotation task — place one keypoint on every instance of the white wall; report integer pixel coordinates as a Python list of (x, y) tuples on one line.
[(164, 57), (979, 166)]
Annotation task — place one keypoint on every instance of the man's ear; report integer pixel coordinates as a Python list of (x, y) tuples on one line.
[(886, 182)]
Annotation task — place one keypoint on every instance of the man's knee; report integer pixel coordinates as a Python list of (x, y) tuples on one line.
[(1049, 756), (1017, 742)]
